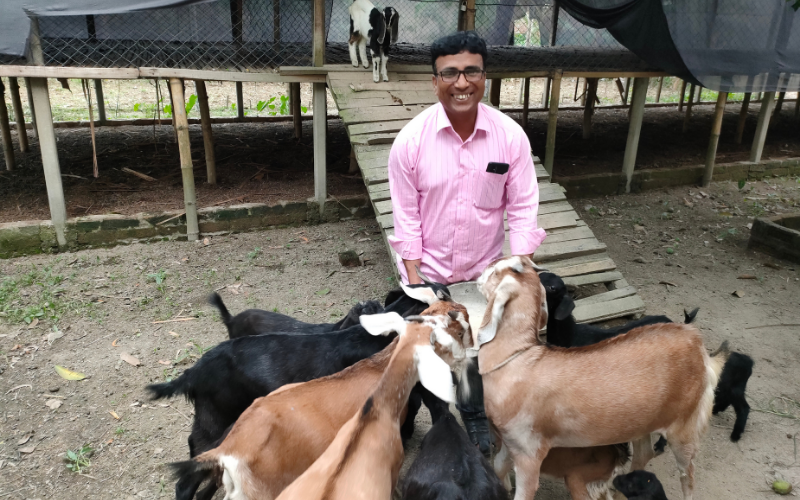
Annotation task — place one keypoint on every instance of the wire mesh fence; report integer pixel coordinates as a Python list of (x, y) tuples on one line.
[(252, 35)]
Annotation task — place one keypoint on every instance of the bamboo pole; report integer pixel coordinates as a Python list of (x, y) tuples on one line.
[(583, 91), (634, 129), (767, 103), (552, 121), (297, 112), (5, 130), (34, 130), (185, 149), (526, 97), (797, 105), (208, 134), (553, 38), (627, 90), (19, 114), (658, 91), (743, 117), (779, 104), (239, 101), (688, 116), (469, 16), (494, 92), (683, 96), (101, 102), (320, 103), (588, 106), (713, 141)]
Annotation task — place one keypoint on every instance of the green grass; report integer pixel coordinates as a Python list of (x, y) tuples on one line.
[(36, 294), (78, 460)]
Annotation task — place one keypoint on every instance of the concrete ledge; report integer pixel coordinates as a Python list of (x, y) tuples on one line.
[(586, 186), (32, 237), (778, 236)]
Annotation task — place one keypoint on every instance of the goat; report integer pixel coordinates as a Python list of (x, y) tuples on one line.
[(448, 467), (640, 485), (364, 459), (656, 378), (303, 418), (564, 332), (382, 30), (257, 321)]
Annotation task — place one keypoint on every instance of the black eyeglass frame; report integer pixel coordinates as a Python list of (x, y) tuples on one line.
[(459, 73)]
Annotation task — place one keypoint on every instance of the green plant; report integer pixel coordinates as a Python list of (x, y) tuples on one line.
[(120, 431), (78, 460), (276, 108), (158, 277), (252, 255), (795, 5), (169, 376), (190, 103), (742, 182), (190, 353)]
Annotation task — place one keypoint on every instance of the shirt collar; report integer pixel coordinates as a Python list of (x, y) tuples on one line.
[(442, 120)]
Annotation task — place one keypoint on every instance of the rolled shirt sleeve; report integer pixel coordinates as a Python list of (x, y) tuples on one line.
[(407, 238), (522, 205)]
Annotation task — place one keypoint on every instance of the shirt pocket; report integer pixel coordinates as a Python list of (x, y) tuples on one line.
[(490, 190)]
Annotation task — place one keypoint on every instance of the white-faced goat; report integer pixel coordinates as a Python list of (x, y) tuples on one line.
[(656, 378), (380, 29), (363, 461)]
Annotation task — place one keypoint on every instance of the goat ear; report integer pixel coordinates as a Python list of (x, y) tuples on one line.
[(383, 324), (422, 276), (443, 296), (395, 25), (495, 309), (565, 308), (422, 294), (434, 374)]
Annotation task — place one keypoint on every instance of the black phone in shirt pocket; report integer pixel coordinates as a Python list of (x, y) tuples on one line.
[(497, 168)]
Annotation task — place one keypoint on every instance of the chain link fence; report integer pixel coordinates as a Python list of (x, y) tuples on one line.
[(254, 35)]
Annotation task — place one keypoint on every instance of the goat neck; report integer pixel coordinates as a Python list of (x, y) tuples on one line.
[(516, 311)]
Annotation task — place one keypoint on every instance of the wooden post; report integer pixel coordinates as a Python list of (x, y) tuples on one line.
[(34, 131), (353, 162), (683, 96), (208, 135), (627, 90), (699, 94), (797, 105), (5, 130), (779, 103), (101, 102), (688, 116), (297, 113), (743, 117), (546, 93), (494, 92), (185, 148), (553, 38), (658, 91), (320, 105), (583, 91), (767, 103), (19, 114), (526, 98), (635, 127), (552, 121), (711, 154), (469, 16), (239, 101), (588, 106)]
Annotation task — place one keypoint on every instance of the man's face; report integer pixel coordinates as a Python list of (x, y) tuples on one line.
[(461, 96)]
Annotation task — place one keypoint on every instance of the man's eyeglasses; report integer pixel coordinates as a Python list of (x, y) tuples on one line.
[(451, 75)]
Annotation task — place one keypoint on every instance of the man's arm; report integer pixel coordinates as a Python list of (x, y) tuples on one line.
[(407, 238), (523, 201)]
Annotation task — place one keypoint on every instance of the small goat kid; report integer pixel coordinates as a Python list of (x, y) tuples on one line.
[(363, 461), (656, 378), (367, 22)]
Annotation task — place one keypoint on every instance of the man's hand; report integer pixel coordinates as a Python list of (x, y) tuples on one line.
[(411, 271)]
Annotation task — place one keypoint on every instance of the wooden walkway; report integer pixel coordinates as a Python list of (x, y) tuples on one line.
[(373, 113)]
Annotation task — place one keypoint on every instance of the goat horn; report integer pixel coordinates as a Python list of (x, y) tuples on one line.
[(422, 276), (443, 296), (453, 314)]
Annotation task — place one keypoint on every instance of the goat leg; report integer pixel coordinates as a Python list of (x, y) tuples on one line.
[(362, 48), (742, 411), (353, 46), (469, 401), (527, 469), (642, 452), (384, 63), (414, 402)]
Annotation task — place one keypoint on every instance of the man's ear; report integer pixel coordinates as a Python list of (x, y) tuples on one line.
[(565, 308)]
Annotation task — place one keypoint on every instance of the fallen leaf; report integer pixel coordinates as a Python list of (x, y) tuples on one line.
[(27, 449), (666, 283), (773, 266), (688, 203), (637, 227), (206, 241), (113, 414), (109, 441), (33, 323), (129, 359), (185, 259), (738, 293), (304, 239), (53, 336), (174, 334), (114, 343), (69, 374), (747, 277), (162, 362), (704, 195), (324, 291), (53, 404), (24, 440)]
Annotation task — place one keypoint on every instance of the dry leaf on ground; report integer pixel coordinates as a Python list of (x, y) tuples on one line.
[(67, 374), (53, 404), (129, 359), (27, 449)]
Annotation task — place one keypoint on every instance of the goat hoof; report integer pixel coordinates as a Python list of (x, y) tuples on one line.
[(366, 66), (355, 65), (385, 78)]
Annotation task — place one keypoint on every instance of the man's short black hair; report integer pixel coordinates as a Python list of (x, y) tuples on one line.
[(460, 41)]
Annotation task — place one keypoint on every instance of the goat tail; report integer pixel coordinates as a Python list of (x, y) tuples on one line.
[(169, 389), (689, 317), (718, 359), (714, 364), (215, 300), (191, 473)]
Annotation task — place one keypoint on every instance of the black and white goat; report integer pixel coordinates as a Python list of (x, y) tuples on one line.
[(367, 22)]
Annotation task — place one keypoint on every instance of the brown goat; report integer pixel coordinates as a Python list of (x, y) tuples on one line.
[(280, 435), (363, 461), (656, 378)]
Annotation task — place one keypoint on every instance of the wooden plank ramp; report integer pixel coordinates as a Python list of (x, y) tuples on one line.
[(373, 114)]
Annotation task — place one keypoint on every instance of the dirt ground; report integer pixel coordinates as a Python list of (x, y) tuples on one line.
[(88, 309)]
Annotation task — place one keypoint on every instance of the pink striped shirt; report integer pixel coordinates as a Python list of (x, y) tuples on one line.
[(448, 210)]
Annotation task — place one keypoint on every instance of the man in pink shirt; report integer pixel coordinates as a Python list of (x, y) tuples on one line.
[(454, 170)]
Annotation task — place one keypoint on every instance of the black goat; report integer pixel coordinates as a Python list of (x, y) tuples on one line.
[(640, 485), (564, 332), (469, 401), (448, 467), (257, 321)]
